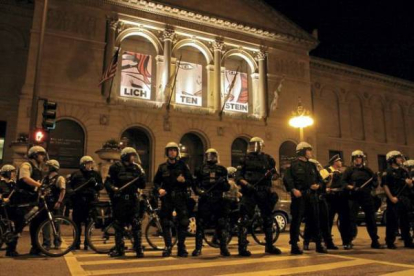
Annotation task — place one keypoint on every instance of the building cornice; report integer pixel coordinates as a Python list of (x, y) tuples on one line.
[(297, 38), (356, 72)]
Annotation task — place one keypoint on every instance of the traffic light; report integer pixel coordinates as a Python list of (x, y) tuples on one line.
[(49, 115), (39, 136)]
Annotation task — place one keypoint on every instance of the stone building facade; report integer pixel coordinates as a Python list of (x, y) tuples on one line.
[(353, 108)]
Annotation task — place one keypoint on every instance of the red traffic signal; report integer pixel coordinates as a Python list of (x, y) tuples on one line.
[(39, 136)]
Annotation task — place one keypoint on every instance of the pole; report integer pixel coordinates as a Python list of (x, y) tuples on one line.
[(301, 134), (34, 111)]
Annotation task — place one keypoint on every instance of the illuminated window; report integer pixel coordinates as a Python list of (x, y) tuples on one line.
[(138, 71), (191, 79), (237, 100)]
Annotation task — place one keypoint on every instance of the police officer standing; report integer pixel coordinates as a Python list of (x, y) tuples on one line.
[(254, 175), (303, 180), (7, 195), (85, 183), (57, 185), (124, 179), (211, 183), (359, 181), (30, 175), (171, 182), (397, 184)]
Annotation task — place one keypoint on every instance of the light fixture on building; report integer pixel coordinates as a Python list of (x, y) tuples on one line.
[(300, 119)]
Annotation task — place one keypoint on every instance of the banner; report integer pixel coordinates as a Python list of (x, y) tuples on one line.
[(136, 75), (239, 98), (189, 85)]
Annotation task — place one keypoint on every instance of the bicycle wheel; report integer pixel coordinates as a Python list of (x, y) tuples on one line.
[(102, 239), (211, 238), (56, 237), (155, 236), (257, 231)]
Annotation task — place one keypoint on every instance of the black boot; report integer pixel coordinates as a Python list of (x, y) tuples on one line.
[(295, 250), (320, 248), (224, 251), (348, 246), (376, 245), (34, 251), (391, 246), (119, 249), (198, 243), (11, 249), (330, 245), (243, 243), (182, 251), (270, 248), (168, 243), (136, 232)]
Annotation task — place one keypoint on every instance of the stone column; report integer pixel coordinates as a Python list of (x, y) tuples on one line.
[(262, 93), (256, 106), (218, 46), (167, 36), (210, 86)]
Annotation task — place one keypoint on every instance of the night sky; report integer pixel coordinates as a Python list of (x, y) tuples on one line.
[(375, 35)]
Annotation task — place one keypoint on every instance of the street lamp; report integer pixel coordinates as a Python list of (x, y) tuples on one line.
[(300, 119)]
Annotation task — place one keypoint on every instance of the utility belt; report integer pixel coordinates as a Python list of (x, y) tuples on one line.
[(133, 196), (178, 193), (215, 195)]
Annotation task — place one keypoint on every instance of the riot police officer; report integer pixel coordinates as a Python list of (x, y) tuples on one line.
[(323, 212), (359, 181), (303, 181), (57, 189), (338, 201), (124, 180), (7, 195), (254, 175), (85, 184), (171, 182), (397, 184), (29, 181), (211, 182)]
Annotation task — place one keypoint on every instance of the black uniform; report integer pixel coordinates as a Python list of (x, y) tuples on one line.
[(301, 175), (211, 183), (177, 198), (338, 204), (397, 213), (29, 194), (253, 168), (14, 213), (83, 198), (357, 176), (126, 207)]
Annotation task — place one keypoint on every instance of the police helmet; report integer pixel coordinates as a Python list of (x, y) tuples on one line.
[(172, 145), (302, 147)]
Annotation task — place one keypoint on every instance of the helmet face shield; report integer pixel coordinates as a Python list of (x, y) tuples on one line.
[(255, 146), (211, 157)]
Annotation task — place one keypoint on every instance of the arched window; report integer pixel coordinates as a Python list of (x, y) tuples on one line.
[(191, 83), (138, 68), (192, 148), (287, 153), (238, 150), (67, 143), (139, 139)]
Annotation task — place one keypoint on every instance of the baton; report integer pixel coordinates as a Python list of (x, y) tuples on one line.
[(83, 185), (128, 184)]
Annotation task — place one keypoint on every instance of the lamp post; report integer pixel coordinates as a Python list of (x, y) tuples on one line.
[(300, 119)]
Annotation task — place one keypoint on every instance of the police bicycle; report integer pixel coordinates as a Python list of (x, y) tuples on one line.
[(55, 236), (256, 229)]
